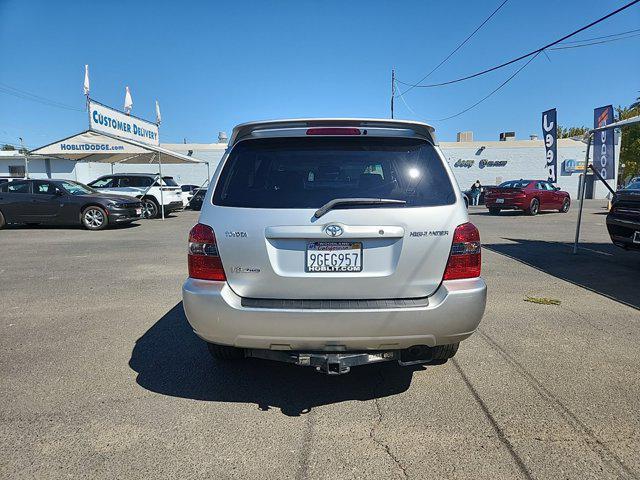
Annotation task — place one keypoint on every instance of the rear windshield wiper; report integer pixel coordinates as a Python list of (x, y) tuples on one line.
[(355, 201)]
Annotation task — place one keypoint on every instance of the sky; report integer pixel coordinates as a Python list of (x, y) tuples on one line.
[(212, 65)]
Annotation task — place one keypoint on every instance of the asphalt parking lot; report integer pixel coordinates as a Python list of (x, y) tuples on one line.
[(101, 376)]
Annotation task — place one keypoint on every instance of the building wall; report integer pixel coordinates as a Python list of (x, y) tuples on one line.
[(521, 159)]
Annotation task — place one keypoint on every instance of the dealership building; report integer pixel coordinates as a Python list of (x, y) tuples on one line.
[(491, 162)]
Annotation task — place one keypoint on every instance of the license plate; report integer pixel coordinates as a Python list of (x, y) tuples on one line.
[(138, 211), (333, 257), (499, 200), (636, 237)]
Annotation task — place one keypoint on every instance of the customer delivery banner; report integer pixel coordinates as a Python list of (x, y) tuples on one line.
[(603, 158), (108, 120)]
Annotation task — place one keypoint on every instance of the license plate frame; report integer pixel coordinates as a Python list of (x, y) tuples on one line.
[(343, 246), (499, 200)]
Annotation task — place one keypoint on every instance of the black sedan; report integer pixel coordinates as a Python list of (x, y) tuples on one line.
[(64, 202), (623, 220), (198, 198)]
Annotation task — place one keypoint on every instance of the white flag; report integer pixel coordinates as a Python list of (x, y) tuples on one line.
[(158, 116), (128, 101), (86, 79)]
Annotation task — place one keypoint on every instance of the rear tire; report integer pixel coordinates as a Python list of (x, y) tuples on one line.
[(534, 208), (2, 221), (445, 352), (565, 206), (225, 352), (94, 218), (494, 211)]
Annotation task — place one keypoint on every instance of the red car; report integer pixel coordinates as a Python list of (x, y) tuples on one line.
[(530, 196)]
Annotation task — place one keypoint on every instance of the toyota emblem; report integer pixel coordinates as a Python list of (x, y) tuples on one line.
[(333, 230)]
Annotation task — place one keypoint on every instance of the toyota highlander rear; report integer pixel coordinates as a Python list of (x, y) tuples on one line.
[(334, 243)]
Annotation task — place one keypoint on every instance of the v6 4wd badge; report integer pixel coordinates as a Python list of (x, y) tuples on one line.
[(230, 234)]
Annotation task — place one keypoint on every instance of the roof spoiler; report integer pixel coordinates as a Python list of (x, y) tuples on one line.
[(245, 130)]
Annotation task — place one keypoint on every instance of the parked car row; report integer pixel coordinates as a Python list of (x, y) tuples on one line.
[(108, 200), (37, 202)]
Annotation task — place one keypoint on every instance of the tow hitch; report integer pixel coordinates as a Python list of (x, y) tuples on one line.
[(340, 363)]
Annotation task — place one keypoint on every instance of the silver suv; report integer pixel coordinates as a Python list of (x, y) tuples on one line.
[(333, 243)]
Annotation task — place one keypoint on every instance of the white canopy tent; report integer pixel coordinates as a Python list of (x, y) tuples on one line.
[(91, 146)]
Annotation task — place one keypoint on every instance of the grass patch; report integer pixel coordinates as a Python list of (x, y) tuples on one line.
[(542, 300)]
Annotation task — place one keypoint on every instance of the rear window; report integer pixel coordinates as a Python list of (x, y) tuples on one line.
[(309, 172), (514, 184), (169, 182)]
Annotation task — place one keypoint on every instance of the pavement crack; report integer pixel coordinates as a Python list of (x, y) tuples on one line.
[(305, 449), (381, 443), (589, 437), (494, 424)]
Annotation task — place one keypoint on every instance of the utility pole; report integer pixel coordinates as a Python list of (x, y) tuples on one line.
[(26, 158), (393, 88)]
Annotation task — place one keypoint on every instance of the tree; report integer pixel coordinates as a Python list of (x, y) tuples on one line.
[(6, 147), (569, 132), (630, 146)]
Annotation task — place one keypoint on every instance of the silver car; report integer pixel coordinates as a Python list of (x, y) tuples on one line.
[(333, 243)]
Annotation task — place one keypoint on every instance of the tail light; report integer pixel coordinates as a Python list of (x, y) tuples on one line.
[(203, 256), (464, 259)]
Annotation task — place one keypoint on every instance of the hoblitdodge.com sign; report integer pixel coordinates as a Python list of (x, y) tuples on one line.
[(113, 122)]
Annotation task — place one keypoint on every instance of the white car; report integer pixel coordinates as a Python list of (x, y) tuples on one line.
[(333, 243), (145, 187)]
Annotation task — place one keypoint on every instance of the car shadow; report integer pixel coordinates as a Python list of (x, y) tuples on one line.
[(509, 213), (170, 359), (600, 267), (19, 226)]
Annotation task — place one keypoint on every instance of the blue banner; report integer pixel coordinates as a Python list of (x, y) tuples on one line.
[(550, 138), (603, 153)]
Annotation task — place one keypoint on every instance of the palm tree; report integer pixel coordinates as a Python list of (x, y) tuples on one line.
[(636, 104)]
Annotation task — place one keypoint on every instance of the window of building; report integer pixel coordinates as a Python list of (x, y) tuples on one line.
[(17, 171)]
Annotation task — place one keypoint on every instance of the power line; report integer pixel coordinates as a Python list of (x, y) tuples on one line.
[(23, 94), (534, 52), (457, 48), (493, 91), (602, 36), (401, 95), (522, 68), (594, 43)]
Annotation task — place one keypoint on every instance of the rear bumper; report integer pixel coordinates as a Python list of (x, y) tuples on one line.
[(622, 230), (173, 206), (509, 204), (216, 315)]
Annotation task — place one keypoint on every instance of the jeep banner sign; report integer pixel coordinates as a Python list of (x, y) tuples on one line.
[(107, 120), (603, 159), (550, 136)]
